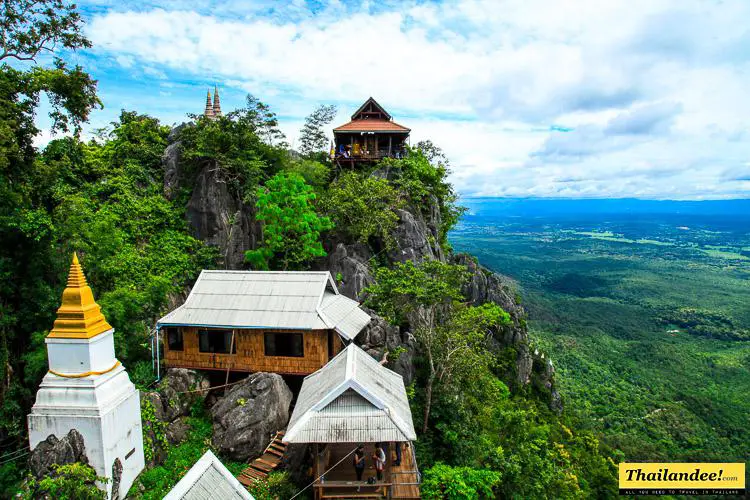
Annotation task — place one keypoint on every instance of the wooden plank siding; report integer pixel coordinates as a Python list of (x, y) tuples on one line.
[(250, 353)]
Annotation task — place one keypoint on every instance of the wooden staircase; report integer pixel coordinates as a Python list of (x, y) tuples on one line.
[(268, 461)]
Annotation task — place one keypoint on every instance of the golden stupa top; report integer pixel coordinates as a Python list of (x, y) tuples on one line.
[(79, 316)]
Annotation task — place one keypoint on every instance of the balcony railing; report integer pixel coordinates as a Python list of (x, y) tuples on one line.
[(370, 155)]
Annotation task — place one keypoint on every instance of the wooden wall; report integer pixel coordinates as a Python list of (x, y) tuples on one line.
[(250, 355)]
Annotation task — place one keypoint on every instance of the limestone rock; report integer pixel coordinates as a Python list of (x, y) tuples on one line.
[(171, 160), (177, 431), (174, 392), (68, 450), (249, 415), (348, 265), (219, 218), (380, 336), (116, 478), (413, 239)]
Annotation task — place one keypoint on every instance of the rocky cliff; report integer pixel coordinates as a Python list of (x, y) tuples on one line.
[(219, 217)]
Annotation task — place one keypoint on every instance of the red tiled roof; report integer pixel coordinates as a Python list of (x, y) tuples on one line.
[(371, 126)]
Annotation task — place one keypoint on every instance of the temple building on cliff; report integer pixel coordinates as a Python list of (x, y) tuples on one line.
[(370, 136), (87, 389)]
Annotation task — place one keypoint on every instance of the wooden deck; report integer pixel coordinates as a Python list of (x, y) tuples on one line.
[(268, 461), (341, 481)]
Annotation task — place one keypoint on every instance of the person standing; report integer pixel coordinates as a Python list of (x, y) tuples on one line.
[(379, 458), (359, 462)]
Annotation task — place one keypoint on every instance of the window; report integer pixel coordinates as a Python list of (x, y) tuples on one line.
[(217, 341), (284, 344), (174, 339)]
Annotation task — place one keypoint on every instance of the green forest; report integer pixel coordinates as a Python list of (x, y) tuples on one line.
[(480, 435), (648, 330)]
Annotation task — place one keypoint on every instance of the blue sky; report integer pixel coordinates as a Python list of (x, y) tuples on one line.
[(623, 98)]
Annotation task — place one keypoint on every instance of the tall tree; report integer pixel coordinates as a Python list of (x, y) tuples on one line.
[(30, 27), (312, 138), (291, 228), (451, 335), (264, 120)]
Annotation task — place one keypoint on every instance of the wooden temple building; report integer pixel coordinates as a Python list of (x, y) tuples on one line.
[(291, 323), (353, 401), (370, 136)]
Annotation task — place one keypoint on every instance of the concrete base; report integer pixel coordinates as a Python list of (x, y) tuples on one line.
[(105, 409)]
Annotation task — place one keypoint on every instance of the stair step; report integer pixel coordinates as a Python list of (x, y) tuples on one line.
[(274, 451), (270, 463), (261, 467), (253, 472)]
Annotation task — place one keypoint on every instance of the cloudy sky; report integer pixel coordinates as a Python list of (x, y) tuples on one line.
[(543, 98)]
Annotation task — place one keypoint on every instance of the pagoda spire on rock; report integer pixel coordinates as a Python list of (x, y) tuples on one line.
[(217, 103), (209, 112), (79, 316)]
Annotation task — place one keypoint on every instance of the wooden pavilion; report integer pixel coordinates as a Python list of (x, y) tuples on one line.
[(355, 400), (370, 136), (290, 322)]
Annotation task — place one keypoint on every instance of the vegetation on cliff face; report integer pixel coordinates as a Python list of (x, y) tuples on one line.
[(639, 331), (105, 199)]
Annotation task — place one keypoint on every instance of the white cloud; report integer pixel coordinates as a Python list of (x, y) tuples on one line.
[(653, 90)]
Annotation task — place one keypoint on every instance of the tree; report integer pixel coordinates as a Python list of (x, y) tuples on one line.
[(291, 230), (451, 335), (315, 173), (29, 27), (458, 483), (264, 121), (422, 177), (363, 206), (312, 138)]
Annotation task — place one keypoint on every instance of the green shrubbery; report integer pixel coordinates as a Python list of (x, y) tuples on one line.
[(363, 207), (458, 483), (67, 482)]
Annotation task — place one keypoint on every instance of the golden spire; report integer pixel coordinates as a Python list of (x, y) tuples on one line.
[(79, 316), (217, 103), (209, 112)]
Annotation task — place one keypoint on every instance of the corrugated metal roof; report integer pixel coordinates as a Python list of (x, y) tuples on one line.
[(299, 300), (343, 314), (206, 480), (351, 399)]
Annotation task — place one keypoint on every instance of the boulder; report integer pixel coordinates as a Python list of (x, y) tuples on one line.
[(154, 447), (177, 431), (174, 392), (249, 415), (68, 450), (116, 478)]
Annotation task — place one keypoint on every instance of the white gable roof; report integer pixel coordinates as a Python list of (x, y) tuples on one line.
[(352, 399), (297, 300), (206, 480)]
